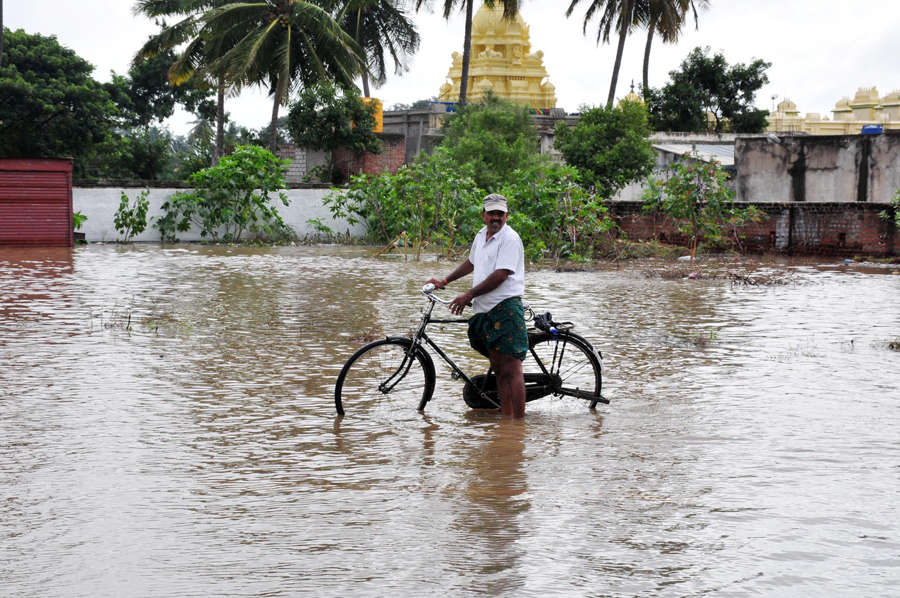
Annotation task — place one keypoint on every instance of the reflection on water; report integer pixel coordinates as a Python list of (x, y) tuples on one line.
[(168, 429)]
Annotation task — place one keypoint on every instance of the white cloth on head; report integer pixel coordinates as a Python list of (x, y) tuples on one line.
[(503, 250)]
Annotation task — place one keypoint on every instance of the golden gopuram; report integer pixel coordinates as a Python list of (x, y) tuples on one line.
[(848, 116), (501, 61)]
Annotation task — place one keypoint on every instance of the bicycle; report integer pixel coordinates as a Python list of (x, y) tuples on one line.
[(559, 362)]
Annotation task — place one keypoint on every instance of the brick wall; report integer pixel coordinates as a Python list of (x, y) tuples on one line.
[(391, 158), (833, 229)]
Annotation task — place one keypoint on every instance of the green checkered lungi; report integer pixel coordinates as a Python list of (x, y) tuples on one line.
[(501, 329)]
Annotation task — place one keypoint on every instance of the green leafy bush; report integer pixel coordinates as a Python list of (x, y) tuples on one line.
[(230, 199), (131, 217), (436, 202), (697, 198), (425, 199), (892, 214), (555, 216)]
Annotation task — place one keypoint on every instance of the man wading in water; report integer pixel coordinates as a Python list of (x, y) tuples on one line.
[(497, 330)]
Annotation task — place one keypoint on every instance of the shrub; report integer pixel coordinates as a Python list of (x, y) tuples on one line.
[(436, 201), (554, 215), (231, 198), (698, 199), (131, 218), (893, 213)]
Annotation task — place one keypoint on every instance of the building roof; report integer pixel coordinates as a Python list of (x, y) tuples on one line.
[(723, 154)]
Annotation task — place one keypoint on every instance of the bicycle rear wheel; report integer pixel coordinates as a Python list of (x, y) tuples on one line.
[(380, 376), (572, 364)]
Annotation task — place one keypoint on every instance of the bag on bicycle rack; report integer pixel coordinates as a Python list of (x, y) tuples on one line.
[(545, 323)]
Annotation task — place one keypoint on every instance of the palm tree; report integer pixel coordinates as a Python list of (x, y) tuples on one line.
[(510, 9), (666, 17), (192, 59), (621, 16), (283, 44), (376, 26)]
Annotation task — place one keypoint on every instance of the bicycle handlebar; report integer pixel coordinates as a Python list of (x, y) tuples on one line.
[(428, 291)]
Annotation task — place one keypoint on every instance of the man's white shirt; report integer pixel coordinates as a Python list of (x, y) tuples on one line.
[(503, 250)]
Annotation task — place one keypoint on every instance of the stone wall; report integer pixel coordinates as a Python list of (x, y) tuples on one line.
[(824, 169), (833, 229), (99, 204)]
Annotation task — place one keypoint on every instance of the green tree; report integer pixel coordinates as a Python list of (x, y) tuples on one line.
[(708, 85), (510, 9), (495, 137), (666, 18), (621, 16), (136, 153), (696, 196), (283, 45), (608, 146), (146, 95), (378, 26), (326, 117), (231, 198), (50, 106)]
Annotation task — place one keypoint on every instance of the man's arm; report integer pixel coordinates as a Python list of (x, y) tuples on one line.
[(461, 270), (494, 280)]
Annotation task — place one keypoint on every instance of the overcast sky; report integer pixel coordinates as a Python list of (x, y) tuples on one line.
[(820, 50)]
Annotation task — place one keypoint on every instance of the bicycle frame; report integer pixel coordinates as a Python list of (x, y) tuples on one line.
[(548, 345), (420, 335)]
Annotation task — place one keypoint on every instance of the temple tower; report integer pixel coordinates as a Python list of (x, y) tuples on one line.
[(501, 62)]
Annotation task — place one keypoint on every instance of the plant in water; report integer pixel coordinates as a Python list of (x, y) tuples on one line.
[(77, 220), (697, 198), (554, 215), (892, 214), (321, 231), (230, 199), (131, 217), (429, 200)]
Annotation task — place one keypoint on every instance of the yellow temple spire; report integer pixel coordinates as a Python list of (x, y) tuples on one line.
[(501, 62)]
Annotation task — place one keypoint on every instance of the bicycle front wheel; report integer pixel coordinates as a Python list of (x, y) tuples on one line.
[(382, 376), (572, 364)]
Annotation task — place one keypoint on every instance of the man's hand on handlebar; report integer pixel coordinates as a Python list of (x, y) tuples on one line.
[(460, 302), (438, 283)]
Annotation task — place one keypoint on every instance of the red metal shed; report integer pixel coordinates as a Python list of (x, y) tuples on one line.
[(36, 202)]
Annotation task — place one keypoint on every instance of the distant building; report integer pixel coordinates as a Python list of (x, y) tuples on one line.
[(848, 116), (501, 61)]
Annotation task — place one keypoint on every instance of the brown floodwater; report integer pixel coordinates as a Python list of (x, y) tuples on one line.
[(167, 428)]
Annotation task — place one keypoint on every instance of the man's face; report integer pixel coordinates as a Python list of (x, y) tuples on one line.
[(494, 220)]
